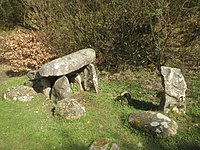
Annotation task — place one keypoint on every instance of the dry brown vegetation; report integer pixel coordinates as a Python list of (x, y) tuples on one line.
[(25, 51)]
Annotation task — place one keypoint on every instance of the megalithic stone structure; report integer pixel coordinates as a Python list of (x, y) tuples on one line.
[(174, 90)]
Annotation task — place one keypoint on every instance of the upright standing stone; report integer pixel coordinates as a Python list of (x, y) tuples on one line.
[(174, 89), (61, 89), (90, 81)]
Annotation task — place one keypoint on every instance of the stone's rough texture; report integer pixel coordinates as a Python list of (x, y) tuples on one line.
[(114, 147), (154, 123), (100, 144), (70, 67), (19, 93), (45, 86), (90, 81), (68, 64), (174, 88), (32, 75), (61, 89), (78, 83), (69, 109)]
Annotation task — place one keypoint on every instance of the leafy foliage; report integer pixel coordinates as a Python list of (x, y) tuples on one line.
[(124, 33)]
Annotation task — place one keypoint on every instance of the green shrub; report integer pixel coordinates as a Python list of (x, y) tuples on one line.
[(124, 33)]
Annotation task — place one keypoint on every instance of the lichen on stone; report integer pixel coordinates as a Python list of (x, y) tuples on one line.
[(154, 123)]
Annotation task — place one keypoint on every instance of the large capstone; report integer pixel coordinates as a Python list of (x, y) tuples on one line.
[(69, 109), (154, 123), (61, 89), (19, 93), (174, 89), (67, 64)]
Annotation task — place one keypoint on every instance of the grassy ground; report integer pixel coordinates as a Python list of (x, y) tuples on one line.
[(30, 125)]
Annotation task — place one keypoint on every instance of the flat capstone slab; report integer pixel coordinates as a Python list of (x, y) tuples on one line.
[(67, 64)]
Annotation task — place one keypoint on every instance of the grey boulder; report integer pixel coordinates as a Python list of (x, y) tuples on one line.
[(69, 109), (19, 93), (154, 123)]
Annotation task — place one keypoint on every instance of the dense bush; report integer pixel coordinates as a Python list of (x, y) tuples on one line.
[(25, 52), (12, 13), (124, 33)]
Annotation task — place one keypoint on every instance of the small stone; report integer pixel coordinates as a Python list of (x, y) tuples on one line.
[(114, 147), (140, 145), (100, 144)]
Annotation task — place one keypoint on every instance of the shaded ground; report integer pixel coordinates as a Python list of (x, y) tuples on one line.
[(3, 73)]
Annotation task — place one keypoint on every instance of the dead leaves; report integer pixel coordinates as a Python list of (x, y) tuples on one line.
[(26, 52)]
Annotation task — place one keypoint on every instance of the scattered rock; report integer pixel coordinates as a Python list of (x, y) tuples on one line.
[(67, 64), (61, 89), (100, 144), (174, 88), (19, 93), (114, 147), (69, 109), (90, 81), (154, 123)]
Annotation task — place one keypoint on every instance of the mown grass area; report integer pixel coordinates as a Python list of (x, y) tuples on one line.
[(30, 125)]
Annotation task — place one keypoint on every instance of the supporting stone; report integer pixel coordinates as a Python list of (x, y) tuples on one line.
[(174, 89), (90, 81), (61, 89)]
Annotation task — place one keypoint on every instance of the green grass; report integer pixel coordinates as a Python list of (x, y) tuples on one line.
[(30, 125)]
